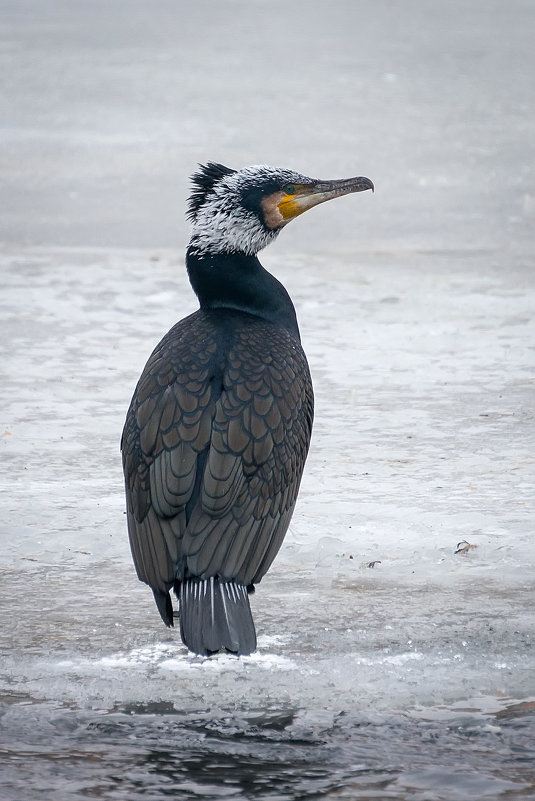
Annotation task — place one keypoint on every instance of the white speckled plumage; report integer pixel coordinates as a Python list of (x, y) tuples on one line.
[(223, 225)]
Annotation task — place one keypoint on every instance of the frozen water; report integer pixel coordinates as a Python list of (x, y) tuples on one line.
[(388, 666), (365, 678)]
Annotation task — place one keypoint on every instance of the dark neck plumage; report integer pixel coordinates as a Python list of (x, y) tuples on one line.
[(239, 282)]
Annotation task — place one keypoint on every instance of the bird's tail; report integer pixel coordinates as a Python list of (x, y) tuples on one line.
[(215, 614)]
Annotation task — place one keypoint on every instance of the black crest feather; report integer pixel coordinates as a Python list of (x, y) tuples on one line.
[(204, 180)]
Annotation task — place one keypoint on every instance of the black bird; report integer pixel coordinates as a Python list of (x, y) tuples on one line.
[(217, 433)]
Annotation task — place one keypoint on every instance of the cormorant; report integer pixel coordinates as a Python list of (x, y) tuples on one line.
[(218, 429)]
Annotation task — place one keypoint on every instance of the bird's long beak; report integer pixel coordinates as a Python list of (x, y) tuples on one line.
[(305, 196)]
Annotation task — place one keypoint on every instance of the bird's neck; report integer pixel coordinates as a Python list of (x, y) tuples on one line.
[(239, 282)]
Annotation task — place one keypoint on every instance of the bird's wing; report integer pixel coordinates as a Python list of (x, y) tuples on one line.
[(167, 428), (211, 482), (259, 442)]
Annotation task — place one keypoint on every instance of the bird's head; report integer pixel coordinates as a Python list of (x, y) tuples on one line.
[(242, 211)]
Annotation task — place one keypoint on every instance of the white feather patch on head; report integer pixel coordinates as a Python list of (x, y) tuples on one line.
[(223, 225)]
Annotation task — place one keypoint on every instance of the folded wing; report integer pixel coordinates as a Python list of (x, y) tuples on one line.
[(214, 447)]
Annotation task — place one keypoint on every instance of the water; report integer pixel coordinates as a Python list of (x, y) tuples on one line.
[(389, 666), (154, 751)]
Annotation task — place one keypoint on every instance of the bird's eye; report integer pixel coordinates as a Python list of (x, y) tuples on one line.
[(289, 189)]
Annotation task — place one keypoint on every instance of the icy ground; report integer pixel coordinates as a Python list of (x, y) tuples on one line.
[(389, 666), (423, 439)]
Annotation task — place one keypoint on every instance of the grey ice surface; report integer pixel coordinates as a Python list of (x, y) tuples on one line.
[(414, 678)]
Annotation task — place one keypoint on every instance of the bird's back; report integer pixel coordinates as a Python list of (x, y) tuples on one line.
[(214, 446)]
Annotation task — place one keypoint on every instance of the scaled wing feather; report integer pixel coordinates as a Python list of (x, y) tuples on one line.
[(213, 448)]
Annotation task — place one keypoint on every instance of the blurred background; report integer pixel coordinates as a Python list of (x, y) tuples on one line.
[(107, 108)]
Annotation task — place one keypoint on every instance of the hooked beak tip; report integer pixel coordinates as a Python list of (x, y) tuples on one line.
[(367, 184)]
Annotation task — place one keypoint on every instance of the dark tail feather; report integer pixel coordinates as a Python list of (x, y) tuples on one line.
[(215, 614), (165, 606)]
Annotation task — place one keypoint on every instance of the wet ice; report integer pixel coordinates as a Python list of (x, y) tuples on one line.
[(343, 648)]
